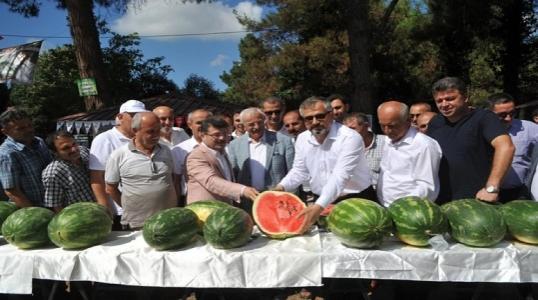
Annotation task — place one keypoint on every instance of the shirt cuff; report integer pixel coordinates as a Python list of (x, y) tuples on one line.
[(323, 202), (238, 200)]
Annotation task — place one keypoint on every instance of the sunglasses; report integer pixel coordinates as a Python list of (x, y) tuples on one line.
[(319, 117), (275, 112), (503, 115)]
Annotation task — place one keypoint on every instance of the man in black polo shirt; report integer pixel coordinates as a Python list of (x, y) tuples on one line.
[(477, 150)]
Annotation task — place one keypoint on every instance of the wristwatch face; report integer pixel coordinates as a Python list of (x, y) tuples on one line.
[(491, 189)]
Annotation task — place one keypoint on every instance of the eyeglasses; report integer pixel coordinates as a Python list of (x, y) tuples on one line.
[(273, 112), (503, 115), (319, 117)]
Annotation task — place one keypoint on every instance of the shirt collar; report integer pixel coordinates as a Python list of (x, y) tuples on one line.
[(131, 146), (262, 140), (333, 134), (407, 138), (20, 146)]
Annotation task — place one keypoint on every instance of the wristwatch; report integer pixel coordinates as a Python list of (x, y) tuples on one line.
[(492, 189)]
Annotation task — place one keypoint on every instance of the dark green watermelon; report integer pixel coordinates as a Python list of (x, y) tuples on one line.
[(359, 223), (171, 228), (203, 209), (475, 223), (417, 220), (228, 227), (521, 217), (80, 225), (6, 209), (27, 227)]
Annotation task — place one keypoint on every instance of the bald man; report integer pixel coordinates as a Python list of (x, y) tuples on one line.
[(416, 110), (423, 120), (144, 167), (170, 135), (410, 159)]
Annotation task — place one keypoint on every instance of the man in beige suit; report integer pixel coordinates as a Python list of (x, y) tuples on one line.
[(209, 172)]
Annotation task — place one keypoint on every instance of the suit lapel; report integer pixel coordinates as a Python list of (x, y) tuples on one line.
[(270, 141), (212, 160)]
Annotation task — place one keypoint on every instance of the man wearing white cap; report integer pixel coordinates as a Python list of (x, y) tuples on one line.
[(103, 145)]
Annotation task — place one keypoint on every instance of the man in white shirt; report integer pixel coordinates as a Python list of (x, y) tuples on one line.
[(239, 129), (330, 156), (260, 158), (170, 135), (101, 148), (410, 160), (180, 151)]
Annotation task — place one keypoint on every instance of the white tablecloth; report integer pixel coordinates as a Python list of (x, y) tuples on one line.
[(262, 263)]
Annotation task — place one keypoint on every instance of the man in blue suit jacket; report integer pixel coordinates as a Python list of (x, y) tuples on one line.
[(260, 158)]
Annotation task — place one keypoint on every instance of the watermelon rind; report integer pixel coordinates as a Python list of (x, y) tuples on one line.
[(6, 209), (282, 232), (203, 209), (360, 223), (475, 223), (80, 225), (228, 227), (170, 229), (26, 228), (521, 217), (417, 220)]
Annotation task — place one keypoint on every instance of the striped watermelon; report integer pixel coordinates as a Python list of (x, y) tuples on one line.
[(359, 223), (171, 228), (6, 209), (475, 223), (417, 220), (228, 227), (203, 209), (27, 227), (80, 225), (521, 217)]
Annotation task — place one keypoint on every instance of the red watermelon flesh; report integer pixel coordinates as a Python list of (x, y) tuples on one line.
[(275, 214)]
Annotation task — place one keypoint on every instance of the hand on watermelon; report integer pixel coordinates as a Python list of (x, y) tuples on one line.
[(250, 193), (311, 215)]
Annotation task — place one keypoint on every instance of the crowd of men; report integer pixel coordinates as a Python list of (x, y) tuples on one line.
[(322, 151)]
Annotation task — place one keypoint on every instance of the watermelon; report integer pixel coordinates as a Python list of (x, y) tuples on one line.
[(359, 223), (521, 217), (27, 227), (475, 223), (80, 225), (6, 209), (228, 227), (275, 214), (417, 220), (203, 209), (171, 228)]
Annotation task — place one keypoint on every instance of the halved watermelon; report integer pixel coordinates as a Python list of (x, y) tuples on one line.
[(275, 214)]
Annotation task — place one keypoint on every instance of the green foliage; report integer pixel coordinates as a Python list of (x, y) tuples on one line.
[(199, 87), (54, 94)]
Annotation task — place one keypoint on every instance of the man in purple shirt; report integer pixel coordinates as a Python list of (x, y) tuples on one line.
[(524, 135)]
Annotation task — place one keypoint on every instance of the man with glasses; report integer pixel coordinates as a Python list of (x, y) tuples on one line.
[(144, 168), (477, 151), (524, 135), (330, 156), (180, 151), (103, 145), (209, 171), (274, 108), (416, 110)]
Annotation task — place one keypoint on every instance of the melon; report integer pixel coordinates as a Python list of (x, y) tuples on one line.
[(6, 209), (171, 228), (417, 220), (228, 227), (521, 217), (80, 225), (203, 209), (475, 223), (27, 227), (275, 214), (359, 223)]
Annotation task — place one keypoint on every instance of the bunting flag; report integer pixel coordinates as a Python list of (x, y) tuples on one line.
[(17, 63)]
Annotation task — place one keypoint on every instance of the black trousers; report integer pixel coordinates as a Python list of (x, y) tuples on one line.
[(368, 193)]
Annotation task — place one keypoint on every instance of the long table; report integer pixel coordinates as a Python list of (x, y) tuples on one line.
[(263, 263)]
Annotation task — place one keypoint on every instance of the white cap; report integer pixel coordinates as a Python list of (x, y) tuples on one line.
[(132, 106)]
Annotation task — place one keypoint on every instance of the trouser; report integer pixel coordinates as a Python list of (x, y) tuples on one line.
[(368, 193), (507, 195)]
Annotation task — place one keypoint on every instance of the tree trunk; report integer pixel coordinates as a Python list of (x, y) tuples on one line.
[(513, 35), (88, 49), (358, 31)]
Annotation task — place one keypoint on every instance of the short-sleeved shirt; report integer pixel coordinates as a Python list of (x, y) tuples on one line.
[(373, 153), (179, 153), (66, 183), (147, 185), (21, 167), (467, 152), (524, 135)]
